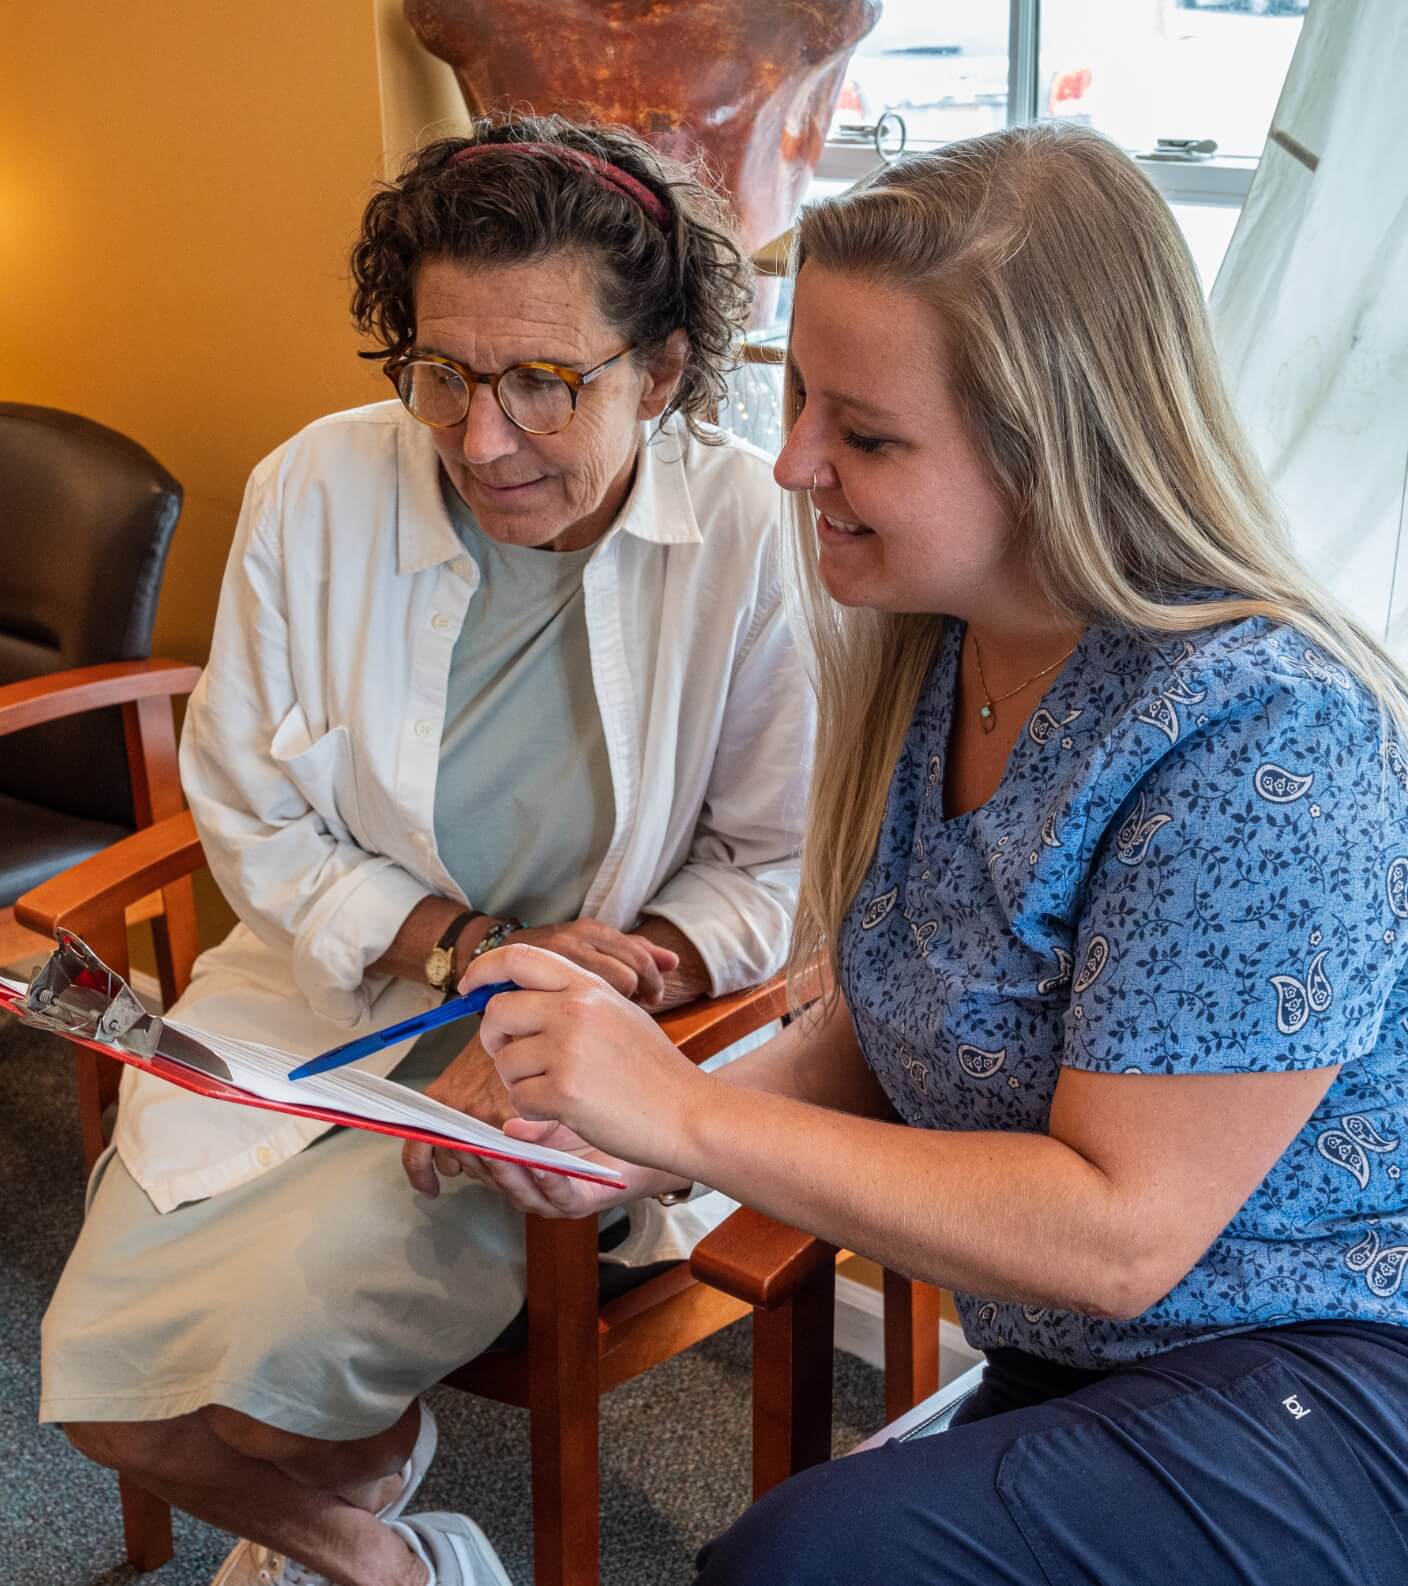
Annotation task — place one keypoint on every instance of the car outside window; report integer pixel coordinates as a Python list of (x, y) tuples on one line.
[(1138, 70), (1142, 70), (939, 64)]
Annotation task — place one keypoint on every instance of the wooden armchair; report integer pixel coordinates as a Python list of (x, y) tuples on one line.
[(144, 691), (577, 1348)]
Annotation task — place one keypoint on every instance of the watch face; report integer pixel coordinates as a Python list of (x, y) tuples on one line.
[(439, 966)]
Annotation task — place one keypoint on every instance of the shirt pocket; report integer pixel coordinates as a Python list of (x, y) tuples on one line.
[(322, 770)]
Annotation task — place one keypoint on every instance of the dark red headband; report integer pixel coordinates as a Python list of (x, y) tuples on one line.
[(602, 172)]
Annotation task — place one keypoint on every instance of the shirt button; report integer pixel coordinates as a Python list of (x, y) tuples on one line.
[(441, 623), (264, 1156), (461, 566), (423, 729)]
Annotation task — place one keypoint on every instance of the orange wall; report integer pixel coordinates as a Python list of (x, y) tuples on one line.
[(178, 188)]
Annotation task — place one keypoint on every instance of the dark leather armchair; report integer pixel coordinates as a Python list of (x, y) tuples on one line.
[(86, 517), (87, 743)]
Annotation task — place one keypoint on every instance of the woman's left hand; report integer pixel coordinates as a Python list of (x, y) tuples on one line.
[(571, 1050), (553, 1194)]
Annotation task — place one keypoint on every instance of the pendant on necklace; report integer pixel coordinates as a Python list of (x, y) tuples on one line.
[(989, 721)]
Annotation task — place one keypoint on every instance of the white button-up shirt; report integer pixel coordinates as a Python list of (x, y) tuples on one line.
[(312, 744)]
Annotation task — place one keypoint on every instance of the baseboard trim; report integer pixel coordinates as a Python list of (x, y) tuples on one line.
[(860, 1331)]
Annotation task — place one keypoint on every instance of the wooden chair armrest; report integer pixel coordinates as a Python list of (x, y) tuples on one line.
[(757, 1260), (82, 688), (703, 1028), (706, 1027), (96, 891)]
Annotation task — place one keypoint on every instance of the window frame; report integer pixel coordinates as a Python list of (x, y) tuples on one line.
[(1221, 181)]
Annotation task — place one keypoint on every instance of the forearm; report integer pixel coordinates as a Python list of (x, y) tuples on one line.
[(815, 1059), (420, 930), (689, 979), (1101, 1208), (1016, 1217)]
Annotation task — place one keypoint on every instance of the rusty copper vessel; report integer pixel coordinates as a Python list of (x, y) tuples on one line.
[(751, 83)]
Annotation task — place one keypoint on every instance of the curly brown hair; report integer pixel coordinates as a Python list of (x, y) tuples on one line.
[(689, 274)]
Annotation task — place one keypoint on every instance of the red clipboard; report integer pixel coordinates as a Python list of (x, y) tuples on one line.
[(208, 1085)]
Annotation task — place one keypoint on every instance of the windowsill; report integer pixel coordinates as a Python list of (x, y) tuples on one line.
[(1221, 180), (1206, 196)]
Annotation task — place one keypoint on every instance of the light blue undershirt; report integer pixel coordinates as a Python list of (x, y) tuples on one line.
[(524, 807)]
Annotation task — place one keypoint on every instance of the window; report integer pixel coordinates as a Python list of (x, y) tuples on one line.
[(1138, 70), (940, 65), (1142, 70)]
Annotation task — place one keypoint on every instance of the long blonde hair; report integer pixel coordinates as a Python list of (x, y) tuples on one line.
[(1082, 361)]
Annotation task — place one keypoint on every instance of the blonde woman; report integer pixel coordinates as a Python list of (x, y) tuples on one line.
[(1109, 841)]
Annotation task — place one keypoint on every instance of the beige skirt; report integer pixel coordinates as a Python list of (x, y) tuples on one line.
[(320, 1297)]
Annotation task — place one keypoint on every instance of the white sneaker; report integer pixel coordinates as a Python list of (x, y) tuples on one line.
[(453, 1549), (251, 1564)]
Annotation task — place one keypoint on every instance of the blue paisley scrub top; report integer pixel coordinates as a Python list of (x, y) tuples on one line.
[(1196, 863)]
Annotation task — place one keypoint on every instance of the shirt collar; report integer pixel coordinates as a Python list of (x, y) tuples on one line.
[(425, 536), (659, 508)]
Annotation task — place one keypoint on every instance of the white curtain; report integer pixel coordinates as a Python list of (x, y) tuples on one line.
[(1310, 308)]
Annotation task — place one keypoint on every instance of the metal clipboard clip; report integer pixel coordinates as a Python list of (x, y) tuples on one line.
[(75, 993)]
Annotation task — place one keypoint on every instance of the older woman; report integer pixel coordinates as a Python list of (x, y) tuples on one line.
[(1109, 835), (501, 657)]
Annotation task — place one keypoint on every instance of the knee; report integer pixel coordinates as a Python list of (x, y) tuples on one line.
[(132, 1447), (254, 1439), (314, 1461)]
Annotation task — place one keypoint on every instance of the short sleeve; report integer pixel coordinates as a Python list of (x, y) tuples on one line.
[(1246, 904)]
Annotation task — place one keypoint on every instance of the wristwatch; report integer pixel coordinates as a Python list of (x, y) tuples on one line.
[(440, 961), (677, 1197)]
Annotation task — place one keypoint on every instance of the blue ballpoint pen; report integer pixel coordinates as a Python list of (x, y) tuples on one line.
[(456, 1008)]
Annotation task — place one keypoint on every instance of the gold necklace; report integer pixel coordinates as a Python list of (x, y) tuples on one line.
[(987, 715)]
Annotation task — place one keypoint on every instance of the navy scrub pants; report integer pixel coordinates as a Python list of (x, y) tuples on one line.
[(1269, 1458)]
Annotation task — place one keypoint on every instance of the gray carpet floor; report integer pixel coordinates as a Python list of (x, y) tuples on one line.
[(675, 1443)]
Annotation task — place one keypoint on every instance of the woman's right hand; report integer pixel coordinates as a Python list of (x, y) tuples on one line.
[(629, 964), (553, 1194), (470, 1084)]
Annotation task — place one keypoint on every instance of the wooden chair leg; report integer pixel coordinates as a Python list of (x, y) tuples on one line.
[(174, 939), (146, 1526), (911, 1343), (563, 1392), (792, 1360), (97, 1080), (146, 1519)]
